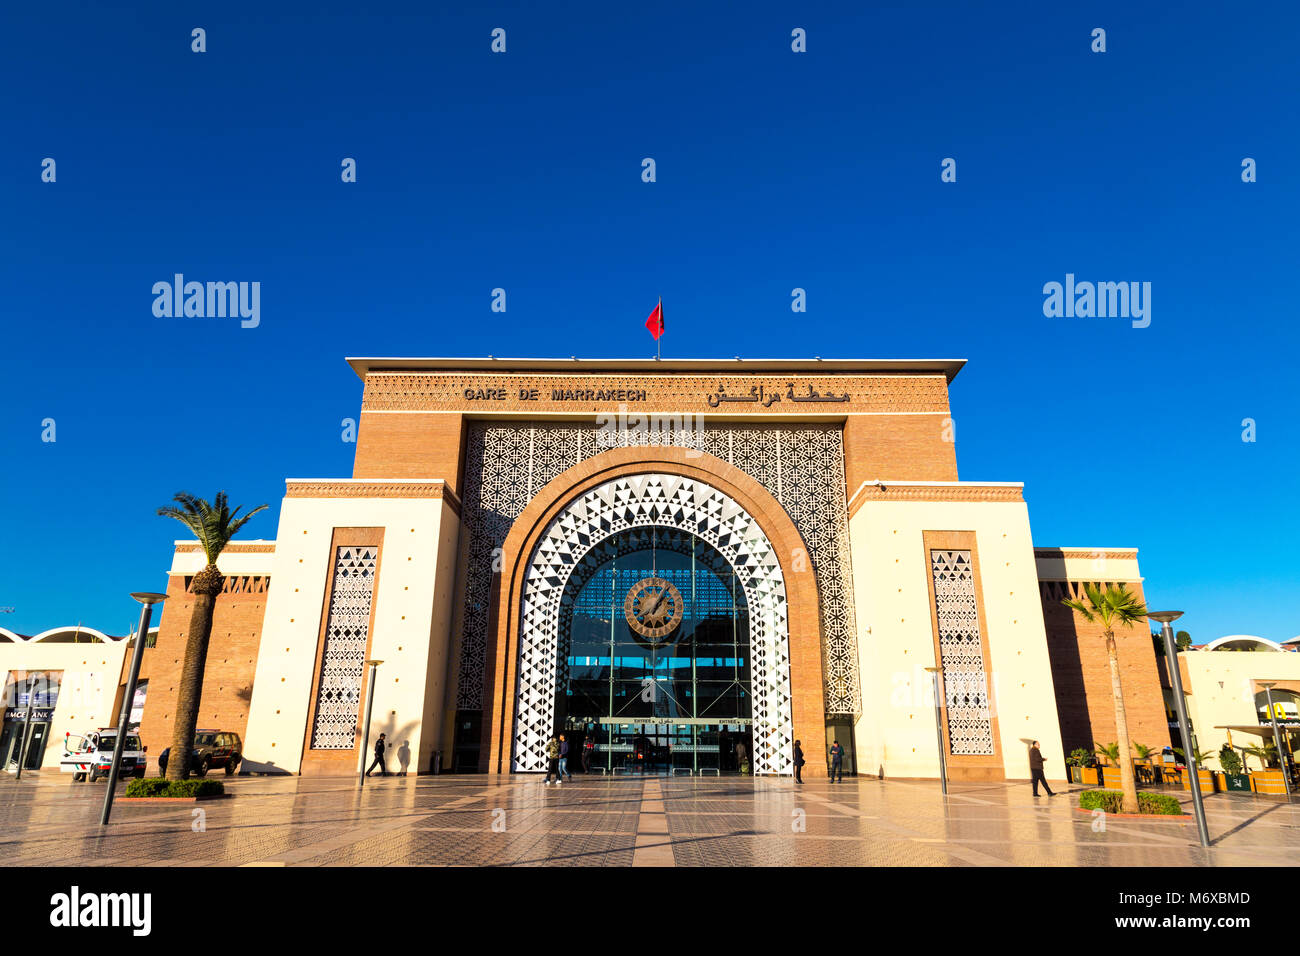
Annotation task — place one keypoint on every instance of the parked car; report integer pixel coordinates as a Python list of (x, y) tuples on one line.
[(212, 749), (90, 757)]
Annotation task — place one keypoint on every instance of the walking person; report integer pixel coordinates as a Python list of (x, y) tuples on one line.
[(552, 761), (798, 762), (587, 747), (379, 758), (1036, 768), (837, 763), (741, 763), (564, 759)]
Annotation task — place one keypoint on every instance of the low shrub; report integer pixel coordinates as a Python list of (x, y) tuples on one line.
[(153, 787), (160, 787), (1160, 803), (1112, 801)]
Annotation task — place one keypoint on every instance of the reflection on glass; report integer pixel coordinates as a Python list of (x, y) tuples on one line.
[(679, 701)]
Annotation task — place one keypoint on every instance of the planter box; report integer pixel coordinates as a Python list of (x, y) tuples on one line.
[(1207, 781), (1267, 781), (1144, 816), (1111, 778), (1234, 782), (1076, 775), (211, 796)]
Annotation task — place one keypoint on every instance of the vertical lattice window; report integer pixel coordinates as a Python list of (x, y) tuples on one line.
[(338, 698), (961, 655)]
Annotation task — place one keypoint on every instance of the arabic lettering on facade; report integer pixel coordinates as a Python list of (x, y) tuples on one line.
[(759, 394)]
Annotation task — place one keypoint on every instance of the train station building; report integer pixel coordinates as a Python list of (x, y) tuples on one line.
[(691, 563)]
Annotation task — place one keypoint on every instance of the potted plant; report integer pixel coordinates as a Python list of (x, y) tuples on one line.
[(1208, 783), (1080, 763), (1144, 755), (1111, 776), (1268, 779), (1233, 778)]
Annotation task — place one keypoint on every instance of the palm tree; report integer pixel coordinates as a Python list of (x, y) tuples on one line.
[(214, 525), (1115, 606), (1266, 754), (1110, 751)]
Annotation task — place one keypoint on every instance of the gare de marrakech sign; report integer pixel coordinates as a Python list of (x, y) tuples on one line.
[(756, 393), (803, 394)]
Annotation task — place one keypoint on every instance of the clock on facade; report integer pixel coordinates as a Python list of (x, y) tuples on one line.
[(653, 607)]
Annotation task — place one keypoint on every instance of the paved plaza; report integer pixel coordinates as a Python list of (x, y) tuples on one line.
[(46, 820)]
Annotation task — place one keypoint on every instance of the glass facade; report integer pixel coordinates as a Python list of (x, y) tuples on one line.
[(636, 695)]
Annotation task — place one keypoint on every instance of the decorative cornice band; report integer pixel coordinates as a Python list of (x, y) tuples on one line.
[(234, 547), (431, 488), (1073, 554), (888, 492)]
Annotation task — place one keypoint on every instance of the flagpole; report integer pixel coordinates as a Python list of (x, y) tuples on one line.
[(661, 326)]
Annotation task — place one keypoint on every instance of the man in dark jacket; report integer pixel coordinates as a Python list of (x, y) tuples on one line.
[(798, 762), (379, 757), (837, 763), (564, 758), (1036, 768)]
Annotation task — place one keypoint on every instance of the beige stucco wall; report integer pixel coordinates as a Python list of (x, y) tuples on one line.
[(411, 603), (895, 638), (88, 689), (1221, 691)]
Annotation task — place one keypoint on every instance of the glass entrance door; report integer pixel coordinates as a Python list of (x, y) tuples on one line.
[(654, 665), (11, 743)]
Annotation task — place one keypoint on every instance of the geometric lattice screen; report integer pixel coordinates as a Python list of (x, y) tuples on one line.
[(801, 465), (961, 655), (338, 699), (668, 501)]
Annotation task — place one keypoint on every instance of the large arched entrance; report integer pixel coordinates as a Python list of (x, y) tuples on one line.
[(679, 677)]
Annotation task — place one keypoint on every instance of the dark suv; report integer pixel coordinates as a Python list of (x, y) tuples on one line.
[(212, 748)]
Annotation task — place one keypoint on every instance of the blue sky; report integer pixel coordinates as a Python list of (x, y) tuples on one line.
[(775, 170)]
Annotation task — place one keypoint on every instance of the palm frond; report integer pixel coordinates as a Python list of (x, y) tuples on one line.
[(212, 524), (1112, 606)]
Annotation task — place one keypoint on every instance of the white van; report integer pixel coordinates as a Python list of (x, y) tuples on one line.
[(91, 756)]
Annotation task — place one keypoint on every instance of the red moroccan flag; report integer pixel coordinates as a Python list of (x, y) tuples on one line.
[(656, 321)]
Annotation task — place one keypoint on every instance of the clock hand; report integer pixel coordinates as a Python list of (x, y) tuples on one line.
[(658, 601)]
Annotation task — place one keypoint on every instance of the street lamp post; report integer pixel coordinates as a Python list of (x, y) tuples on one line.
[(365, 732), (147, 600), (1277, 734), (938, 729), (1166, 619), (32, 681)]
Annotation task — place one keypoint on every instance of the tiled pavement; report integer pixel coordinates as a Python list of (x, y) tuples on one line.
[(45, 820)]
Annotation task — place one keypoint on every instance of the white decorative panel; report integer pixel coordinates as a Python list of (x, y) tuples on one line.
[(669, 501), (338, 699), (961, 654), (802, 466)]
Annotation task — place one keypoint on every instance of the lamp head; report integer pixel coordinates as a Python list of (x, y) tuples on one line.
[(1164, 617), (149, 597)]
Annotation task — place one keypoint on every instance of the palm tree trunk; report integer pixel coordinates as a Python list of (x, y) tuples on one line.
[(1127, 781), (206, 586)]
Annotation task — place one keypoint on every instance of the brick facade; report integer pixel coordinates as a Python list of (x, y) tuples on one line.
[(1081, 674), (231, 664), (898, 447)]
